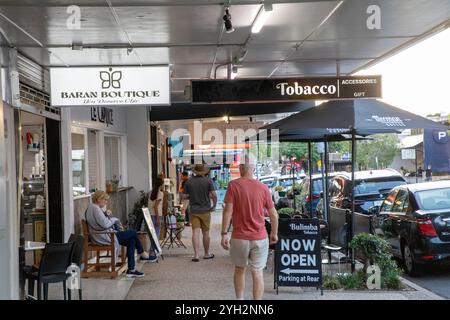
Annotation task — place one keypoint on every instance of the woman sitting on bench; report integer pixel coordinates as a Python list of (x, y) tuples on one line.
[(101, 221)]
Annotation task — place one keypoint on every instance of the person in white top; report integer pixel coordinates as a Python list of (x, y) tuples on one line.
[(155, 204)]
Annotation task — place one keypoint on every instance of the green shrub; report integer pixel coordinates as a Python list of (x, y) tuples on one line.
[(352, 281), (331, 283), (376, 250), (289, 211)]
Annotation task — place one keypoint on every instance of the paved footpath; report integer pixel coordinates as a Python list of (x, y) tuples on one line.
[(178, 278)]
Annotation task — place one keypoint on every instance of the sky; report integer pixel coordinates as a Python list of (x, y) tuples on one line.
[(418, 79)]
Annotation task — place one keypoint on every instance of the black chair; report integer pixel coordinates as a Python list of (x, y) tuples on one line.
[(173, 232), (77, 256), (55, 260), (327, 247)]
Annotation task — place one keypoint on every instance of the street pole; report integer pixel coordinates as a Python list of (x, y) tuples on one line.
[(415, 156), (353, 200), (325, 194), (310, 180)]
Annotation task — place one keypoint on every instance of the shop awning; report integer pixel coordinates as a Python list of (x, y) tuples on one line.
[(411, 141)]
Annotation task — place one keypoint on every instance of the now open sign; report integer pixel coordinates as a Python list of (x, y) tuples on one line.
[(297, 254)]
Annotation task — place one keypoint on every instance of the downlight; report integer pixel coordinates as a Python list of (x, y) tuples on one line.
[(227, 21)]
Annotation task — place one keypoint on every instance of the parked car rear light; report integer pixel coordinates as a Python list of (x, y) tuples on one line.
[(315, 196), (427, 257), (426, 227)]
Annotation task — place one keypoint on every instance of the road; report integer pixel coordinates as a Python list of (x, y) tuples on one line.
[(435, 279)]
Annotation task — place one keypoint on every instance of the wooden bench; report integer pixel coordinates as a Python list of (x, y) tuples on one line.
[(94, 269)]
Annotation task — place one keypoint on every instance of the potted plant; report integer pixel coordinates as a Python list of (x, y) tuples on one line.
[(180, 224), (280, 191), (136, 217), (289, 211)]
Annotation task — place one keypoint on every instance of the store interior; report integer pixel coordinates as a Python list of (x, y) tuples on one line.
[(34, 209)]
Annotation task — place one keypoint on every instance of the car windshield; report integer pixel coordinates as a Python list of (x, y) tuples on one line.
[(377, 186), (286, 182), (317, 186), (436, 199), (268, 183)]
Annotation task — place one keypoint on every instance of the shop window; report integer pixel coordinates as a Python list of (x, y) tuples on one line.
[(79, 172), (112, 163)]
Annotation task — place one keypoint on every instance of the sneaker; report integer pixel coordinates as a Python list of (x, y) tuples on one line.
[(134, 274), (150, 258)]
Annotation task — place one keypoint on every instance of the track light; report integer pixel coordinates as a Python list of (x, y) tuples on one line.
[(234, 72), (227, 21), (77, 47), (263, 14)]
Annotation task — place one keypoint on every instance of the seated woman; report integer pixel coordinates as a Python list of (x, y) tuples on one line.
[(100, 220)]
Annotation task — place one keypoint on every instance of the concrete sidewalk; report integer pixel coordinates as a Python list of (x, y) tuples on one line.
[(178, 278)]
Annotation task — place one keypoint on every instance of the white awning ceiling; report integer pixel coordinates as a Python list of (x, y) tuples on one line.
[(300, 38), (411, 141)]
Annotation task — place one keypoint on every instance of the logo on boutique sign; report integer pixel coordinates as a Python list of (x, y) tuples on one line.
[(111, 79)]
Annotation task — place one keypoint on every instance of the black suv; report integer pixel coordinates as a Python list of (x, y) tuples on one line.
[(371, 187)]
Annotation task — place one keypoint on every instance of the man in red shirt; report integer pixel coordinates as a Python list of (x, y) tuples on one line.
[(245, 201)]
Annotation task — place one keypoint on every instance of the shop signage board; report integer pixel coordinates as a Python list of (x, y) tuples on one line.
[(298, 261), (408, 154), (109, 86), (153, 236), (287, 89)]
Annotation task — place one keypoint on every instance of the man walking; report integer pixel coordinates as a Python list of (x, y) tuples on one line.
[(200, 191), (245, 201)]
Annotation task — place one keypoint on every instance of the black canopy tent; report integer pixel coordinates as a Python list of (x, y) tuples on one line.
[(362, 117)]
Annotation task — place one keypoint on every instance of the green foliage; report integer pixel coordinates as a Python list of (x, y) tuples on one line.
[(179, 218), (391, 279), (371, 246), (278, 188), (289, 211), (382, 146), (222, 184), (137, 209), (331, 283), (352, 281), (375, 250), (295, 190)]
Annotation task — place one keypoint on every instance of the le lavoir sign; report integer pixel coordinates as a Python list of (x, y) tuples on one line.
[(287, 89), (108, 86)]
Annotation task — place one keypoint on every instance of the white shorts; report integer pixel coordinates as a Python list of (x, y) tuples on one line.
[(252, 253)]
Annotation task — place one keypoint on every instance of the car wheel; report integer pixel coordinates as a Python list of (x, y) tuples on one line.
[(411, 266)]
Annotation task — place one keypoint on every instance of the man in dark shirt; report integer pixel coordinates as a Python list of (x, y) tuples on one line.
[(428, 174), (200, 191)]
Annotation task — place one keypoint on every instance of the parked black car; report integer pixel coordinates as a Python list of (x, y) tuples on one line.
[(371, 187), (415, 220)]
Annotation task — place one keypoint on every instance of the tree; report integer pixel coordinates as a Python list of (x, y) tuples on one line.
[(380, 146)]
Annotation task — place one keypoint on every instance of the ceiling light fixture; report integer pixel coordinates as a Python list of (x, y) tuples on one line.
[(234, 72), (227, 21), (264, 13), (77, 47)]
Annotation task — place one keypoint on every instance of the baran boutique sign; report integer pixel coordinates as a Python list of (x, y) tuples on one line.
[(288, 89), (121, 86)]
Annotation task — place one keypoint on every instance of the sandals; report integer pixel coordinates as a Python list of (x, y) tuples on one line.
[(208, 257)]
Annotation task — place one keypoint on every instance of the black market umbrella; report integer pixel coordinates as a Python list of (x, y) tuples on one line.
[(357, 117), (362, 117)]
